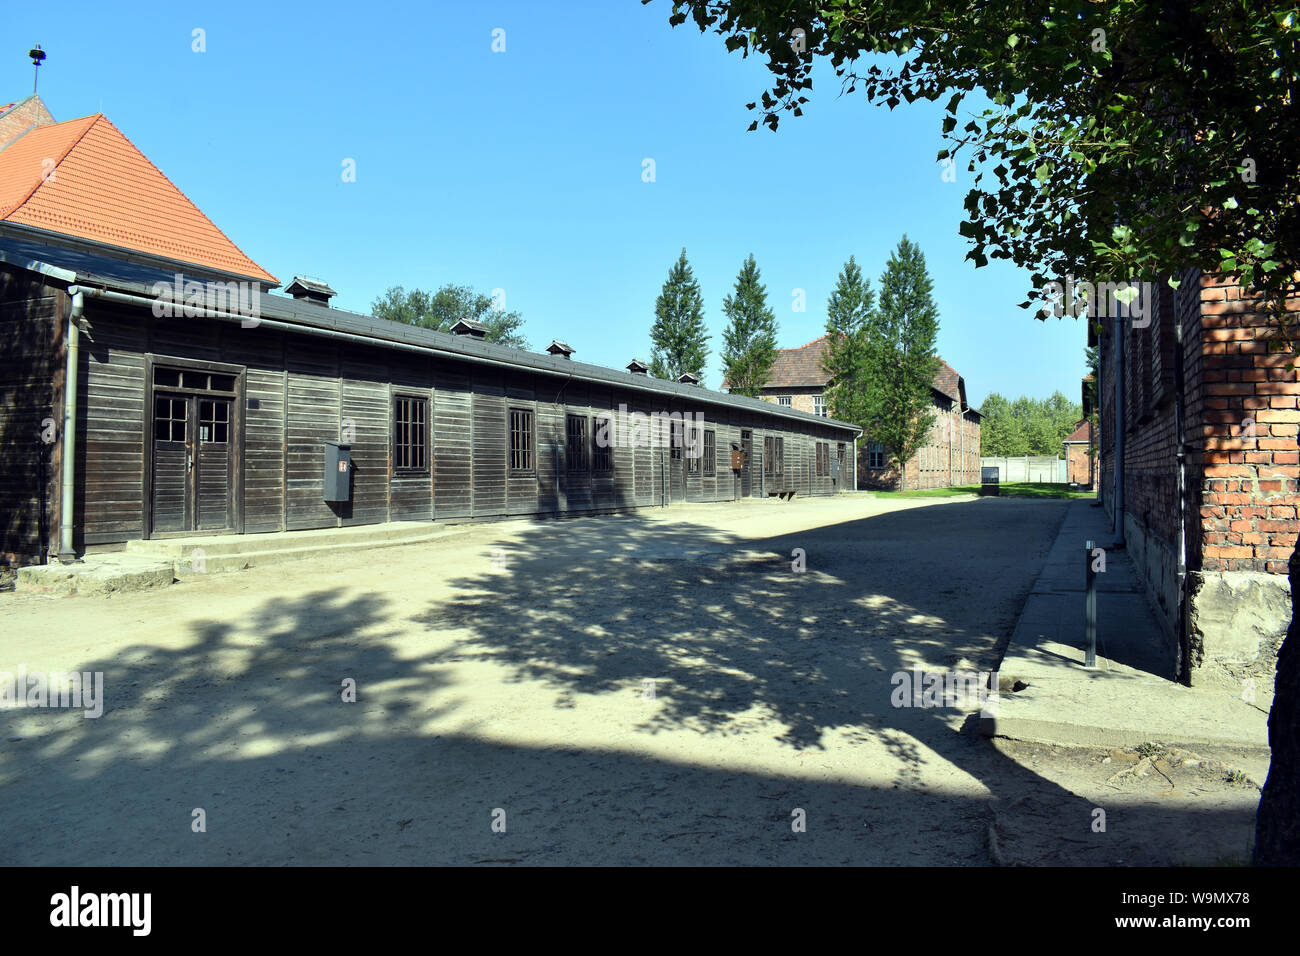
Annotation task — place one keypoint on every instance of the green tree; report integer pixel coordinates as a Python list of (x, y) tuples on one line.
[(749, 340), (678, 337), (1001, 433), (442, 309), (848, 311), (1027, 426), (1128, 140), (900, 337)]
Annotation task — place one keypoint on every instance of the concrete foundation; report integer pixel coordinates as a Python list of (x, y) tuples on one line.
[(1236, 619)]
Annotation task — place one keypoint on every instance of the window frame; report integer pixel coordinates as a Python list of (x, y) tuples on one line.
[(710, 453), (576, 452), (410, 400), (528, 451), (676, 438), (876, 452), (602, 459), (821, 407)]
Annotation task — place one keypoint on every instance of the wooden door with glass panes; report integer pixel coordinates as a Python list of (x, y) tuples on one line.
[(192, 462)]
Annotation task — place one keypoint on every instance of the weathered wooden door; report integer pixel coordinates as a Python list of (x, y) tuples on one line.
[(192, 474)]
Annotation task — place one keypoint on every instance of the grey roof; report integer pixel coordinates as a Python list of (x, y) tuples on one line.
[(100, 270)]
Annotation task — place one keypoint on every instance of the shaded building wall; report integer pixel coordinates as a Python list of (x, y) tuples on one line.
[(31, 378), (1239, 521)]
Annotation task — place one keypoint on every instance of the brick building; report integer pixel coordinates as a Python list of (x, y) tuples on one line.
[(1078, 455), (1217, 571), (950, 457)]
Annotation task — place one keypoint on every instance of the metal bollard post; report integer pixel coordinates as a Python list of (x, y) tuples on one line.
[(1089, 608)]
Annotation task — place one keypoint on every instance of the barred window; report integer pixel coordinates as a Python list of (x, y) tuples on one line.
[(602, 458), (575, 445), (710, 453), (823, 458), (522, 445), (678, 433), (410, 433)]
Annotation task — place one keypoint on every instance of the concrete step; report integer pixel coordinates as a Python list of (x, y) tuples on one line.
[(322, 540), (98, 574)]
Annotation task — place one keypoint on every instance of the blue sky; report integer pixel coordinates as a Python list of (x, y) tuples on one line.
[(522, 170)]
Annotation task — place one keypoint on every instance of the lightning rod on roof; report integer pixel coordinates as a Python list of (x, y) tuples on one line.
[(37, 55)]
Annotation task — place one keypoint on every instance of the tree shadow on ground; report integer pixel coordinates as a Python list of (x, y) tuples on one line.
[(245, 720)]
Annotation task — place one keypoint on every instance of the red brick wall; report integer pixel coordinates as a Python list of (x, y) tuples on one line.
[(1079, 463), (1241, 492), (1248, 506), (31, 112), (929, 467)]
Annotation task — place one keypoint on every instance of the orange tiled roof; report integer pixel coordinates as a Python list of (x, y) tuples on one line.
[(83, 178)]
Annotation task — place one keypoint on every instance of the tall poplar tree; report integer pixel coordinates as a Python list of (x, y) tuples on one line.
[(749, 340), (845, 360), (900, 341), (677, 337)]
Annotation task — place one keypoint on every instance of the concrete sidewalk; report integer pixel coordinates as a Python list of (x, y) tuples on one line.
[(1129, 698)]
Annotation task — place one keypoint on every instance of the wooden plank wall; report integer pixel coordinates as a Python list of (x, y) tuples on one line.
[(410, 495), (111, 419), (29, 367), (312, 417), (304, 389)]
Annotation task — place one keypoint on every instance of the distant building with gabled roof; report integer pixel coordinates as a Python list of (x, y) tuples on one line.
[(951, 456)]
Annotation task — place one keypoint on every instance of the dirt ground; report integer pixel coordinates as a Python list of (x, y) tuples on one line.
[(503, 681)]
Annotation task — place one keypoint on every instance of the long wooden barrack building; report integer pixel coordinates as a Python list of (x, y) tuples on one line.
[(202, 403)]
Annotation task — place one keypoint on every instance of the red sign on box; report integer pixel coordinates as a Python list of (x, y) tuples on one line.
[(343, 466)]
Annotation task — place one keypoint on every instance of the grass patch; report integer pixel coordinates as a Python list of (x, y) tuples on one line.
[(1012, 489)]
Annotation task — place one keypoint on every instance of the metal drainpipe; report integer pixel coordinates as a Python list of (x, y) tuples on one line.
[(1180, 477), (1119, 431), (67, 554)]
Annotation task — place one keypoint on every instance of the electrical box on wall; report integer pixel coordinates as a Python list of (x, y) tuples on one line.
[(338, 471)]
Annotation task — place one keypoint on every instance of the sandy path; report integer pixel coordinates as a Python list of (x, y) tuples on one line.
[(523, 688)]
